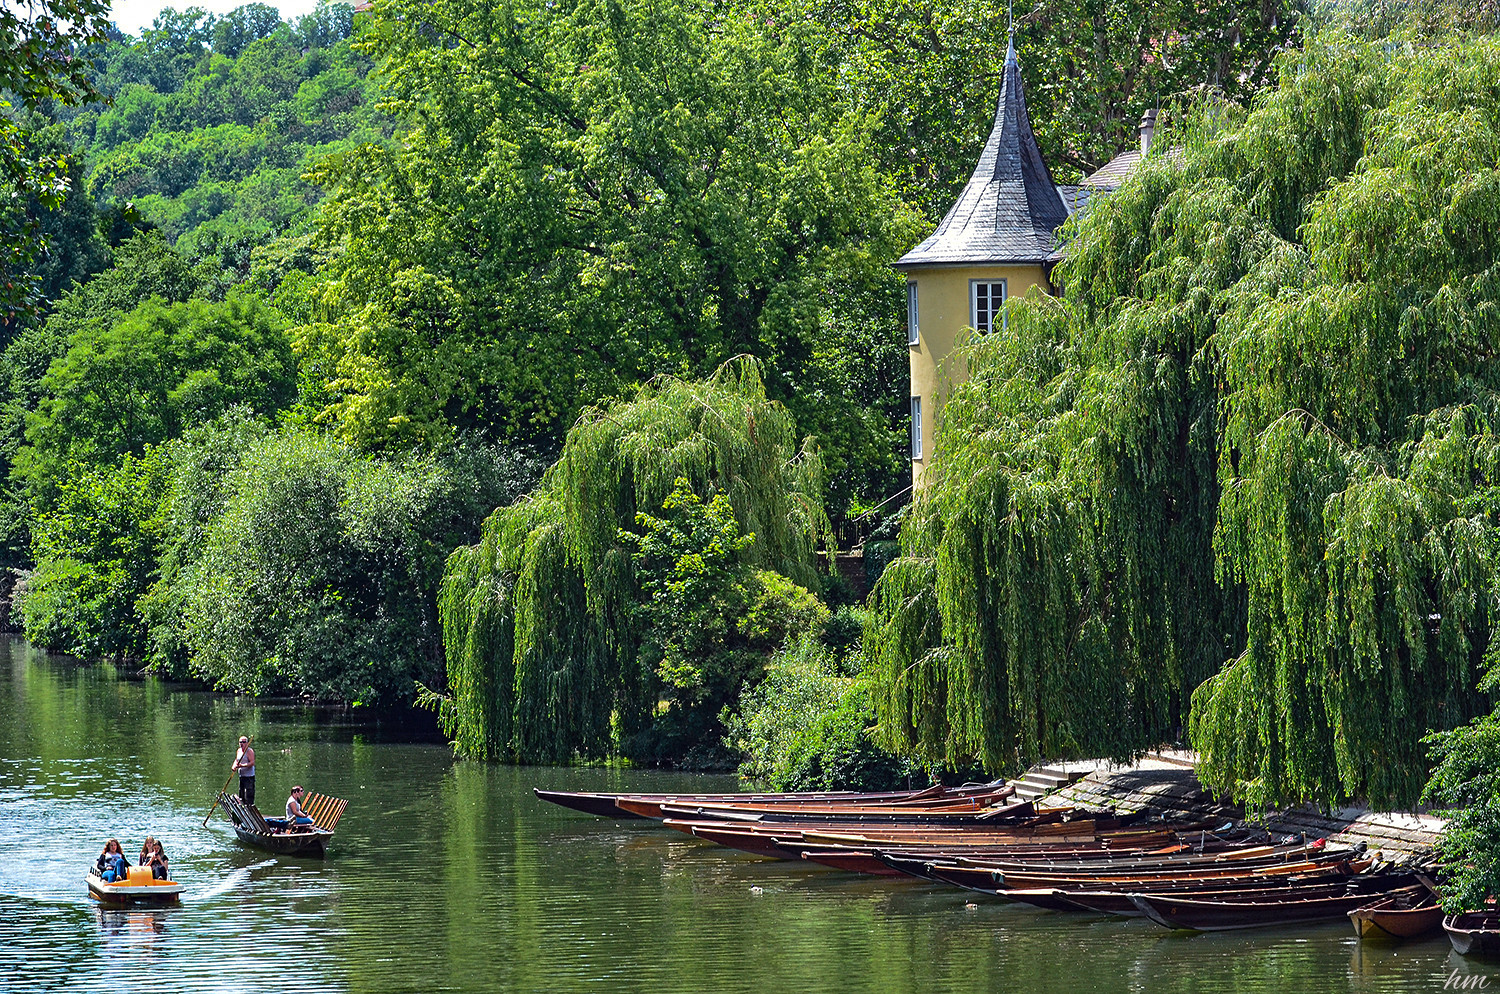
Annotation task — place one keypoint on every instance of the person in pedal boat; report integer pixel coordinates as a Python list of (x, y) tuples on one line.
[(112, 862), (295, 816), (153, 856)]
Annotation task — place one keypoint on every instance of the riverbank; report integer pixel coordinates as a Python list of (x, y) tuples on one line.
[(1164, 784)]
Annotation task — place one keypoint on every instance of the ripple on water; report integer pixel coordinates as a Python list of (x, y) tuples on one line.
[(453, 877)]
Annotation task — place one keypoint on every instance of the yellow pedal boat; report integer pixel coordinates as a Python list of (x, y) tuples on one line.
[(138, 887)]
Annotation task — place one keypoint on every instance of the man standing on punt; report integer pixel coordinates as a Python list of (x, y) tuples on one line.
[(244, 762)]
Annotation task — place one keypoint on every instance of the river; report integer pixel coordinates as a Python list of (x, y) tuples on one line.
[(451, 876)]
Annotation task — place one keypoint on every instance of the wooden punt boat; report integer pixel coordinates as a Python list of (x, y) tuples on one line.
[(1006, 880), (998, 882), (604, 805), (273, 835), (138, 887), (889, 862), (879, 862), (1474, 933), (1398, 916), (1222, 914), (757, 843), (888, 836), (1118, 903), (1242, 861), (1143, 879), (842, 814)]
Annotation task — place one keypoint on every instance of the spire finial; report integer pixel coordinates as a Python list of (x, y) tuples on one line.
[(1010, 48)]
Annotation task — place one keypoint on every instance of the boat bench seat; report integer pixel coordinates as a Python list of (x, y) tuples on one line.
[(244, 814), (325, 811)]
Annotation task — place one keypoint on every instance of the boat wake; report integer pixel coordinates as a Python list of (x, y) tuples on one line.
[(230, 882)]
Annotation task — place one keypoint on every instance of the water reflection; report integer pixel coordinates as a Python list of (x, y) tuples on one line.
[(134, 922), (451, 876)]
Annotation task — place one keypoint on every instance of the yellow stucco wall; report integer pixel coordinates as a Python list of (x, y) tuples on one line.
[(942, 315)]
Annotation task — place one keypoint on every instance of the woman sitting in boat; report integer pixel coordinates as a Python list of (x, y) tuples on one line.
[(295, 817), (153, 856), (112, 862)]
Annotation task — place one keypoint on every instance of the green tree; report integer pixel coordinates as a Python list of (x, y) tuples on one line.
[(147, 377), (662, 189), (542, 620), (809, 726), (96, 555), (1090, 69), (318, 574), (1255, 443), (38, 67), (1465, 785), (708, 621)]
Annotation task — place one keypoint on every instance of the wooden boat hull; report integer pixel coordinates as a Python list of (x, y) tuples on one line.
[(602, 805), (254, 829), (853, 861), (1199, 915), (1386, 919), (607, 806), (1119, 904), (133, 892), (313, 843), (1475, 933)]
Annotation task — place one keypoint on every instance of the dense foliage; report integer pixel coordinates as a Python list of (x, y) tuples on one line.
[(809, 724), (38, 40), (933, 70), (588, 601), (319, 573), (312, 291), (1259, 428), (149, 376), (213, 121), (1466, 781)]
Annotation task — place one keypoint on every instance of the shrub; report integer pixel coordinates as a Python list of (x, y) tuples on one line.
[(805, 727)]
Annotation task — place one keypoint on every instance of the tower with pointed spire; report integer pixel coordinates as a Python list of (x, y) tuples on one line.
[(998, 240)]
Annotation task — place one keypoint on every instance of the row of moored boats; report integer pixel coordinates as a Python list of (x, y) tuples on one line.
[(1201, 876)]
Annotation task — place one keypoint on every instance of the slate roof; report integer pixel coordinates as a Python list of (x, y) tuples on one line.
[(1112, 174), (1010, 210)]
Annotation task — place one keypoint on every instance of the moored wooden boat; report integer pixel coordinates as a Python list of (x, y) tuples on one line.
[(1200, 914), (273, 834), (138, 887), (604, 804), (1398, 916), (1474, 933), (1147, 881), (855, 814)]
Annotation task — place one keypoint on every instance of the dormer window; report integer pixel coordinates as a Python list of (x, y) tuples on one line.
[(986, 301)]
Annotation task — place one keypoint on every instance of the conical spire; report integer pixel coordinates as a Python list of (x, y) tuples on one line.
[(1010, 210)]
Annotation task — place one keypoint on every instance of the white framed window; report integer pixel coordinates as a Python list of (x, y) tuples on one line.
[(986, 300), (916, 427), (911, 314)]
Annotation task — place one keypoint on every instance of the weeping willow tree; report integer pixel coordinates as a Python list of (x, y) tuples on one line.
[(1249, 457), (539, 619)]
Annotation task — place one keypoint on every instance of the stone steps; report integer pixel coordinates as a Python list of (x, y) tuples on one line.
[(1040, 781), (1175, 793)]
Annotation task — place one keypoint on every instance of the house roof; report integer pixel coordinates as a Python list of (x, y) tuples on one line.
[(1112, 174), (1010, 210)]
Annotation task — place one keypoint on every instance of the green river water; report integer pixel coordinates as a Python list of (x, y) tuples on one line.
[(451, 876)]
